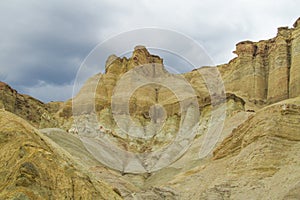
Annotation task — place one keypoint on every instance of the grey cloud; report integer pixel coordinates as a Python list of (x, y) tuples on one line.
[(46, 41)]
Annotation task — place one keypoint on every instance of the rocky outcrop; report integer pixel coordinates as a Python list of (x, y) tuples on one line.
[(267, 71), (257, 160), (34, 111), (285, 115), (294, 79), (33, 167), (142, 102)]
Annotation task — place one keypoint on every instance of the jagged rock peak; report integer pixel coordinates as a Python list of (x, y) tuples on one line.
[(110, 60), (140, 56), (284, 32), (297, 22), (140, 50), (244, 47), (4, 86), (248, 48)]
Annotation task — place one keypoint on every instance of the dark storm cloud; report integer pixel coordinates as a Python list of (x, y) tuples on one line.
[(46, 41), (43, 43)]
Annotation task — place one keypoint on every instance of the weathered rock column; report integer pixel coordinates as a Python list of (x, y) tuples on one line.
[(279, 64), (294, 89), (253, 75), (259, 72)]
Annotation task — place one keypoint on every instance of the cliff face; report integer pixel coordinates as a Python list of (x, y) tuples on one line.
[(267, 71), (294, 85)]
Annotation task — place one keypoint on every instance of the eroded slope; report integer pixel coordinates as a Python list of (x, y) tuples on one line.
[(33, 167)]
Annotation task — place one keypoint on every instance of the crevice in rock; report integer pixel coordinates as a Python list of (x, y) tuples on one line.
[(289, 62)]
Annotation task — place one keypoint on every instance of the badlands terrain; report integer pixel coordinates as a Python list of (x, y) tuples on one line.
[(239, 142)]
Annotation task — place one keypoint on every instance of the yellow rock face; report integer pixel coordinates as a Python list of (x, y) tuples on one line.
[(295, 62), (267, 71), (31, 168), (251, 162), (37, 113)]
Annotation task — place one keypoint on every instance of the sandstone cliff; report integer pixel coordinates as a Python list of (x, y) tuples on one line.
[(267, 71)]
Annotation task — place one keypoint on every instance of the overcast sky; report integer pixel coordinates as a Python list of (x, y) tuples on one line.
[(43, 43)]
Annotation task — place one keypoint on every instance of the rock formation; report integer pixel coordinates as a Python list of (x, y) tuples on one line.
[(255, 156), (39, 114), (258, 160), (267, 71), (32, 167)]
